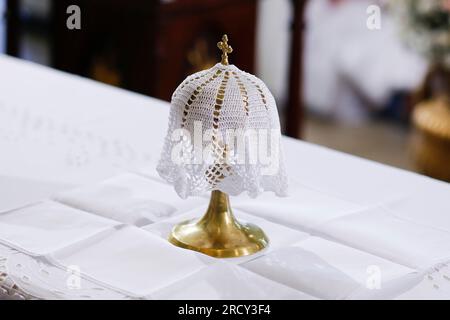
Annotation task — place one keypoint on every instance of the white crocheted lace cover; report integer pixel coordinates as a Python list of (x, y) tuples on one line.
[(221, 99)]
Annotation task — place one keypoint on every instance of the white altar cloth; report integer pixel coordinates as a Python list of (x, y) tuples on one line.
[(84, 215)]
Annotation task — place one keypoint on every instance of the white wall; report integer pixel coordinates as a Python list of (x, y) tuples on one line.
[(274, 18)]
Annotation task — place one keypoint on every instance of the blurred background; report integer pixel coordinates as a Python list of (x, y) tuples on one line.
[(368, 78)]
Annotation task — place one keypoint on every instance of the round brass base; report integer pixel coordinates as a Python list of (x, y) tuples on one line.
[(218, 233), (242, 240)]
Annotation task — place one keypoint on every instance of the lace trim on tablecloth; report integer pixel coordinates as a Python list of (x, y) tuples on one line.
[(439, 275), (8, 289), (27, 277)]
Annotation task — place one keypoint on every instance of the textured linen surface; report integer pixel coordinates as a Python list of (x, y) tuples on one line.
[(48, 226), (315, 263), (224, 281), (381, 233), (124, 257), (129, 199)]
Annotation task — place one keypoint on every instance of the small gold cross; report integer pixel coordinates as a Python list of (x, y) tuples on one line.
[(226, 49)]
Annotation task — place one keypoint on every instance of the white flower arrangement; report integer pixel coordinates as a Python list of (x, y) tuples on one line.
[(425, 27)]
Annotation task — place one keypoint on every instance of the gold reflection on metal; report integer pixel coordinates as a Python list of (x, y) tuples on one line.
[(218, 233), (243, 92), (431, 143), (199, 56), (216, 173), (226, 49), (194, 96), (261, 94)]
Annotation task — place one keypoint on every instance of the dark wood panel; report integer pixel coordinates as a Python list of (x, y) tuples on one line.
[(12, 27), (151, 46), (294, 108), (182, 36)]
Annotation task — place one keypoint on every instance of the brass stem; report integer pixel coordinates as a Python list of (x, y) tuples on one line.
[(218, 233), (219, 217), (224, 60)]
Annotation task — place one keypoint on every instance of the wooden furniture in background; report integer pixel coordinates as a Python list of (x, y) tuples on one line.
[(12, 27), (294, 107), (146, 46)]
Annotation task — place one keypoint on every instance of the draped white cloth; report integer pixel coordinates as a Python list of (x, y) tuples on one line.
[(93, 216)]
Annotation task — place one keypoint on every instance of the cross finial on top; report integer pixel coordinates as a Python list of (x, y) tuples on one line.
[(226, 49)]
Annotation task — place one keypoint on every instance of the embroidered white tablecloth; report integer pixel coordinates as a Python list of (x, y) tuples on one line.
[(83, 214)]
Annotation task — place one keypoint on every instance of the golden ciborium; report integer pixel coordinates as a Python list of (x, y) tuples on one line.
[(221, 99)]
